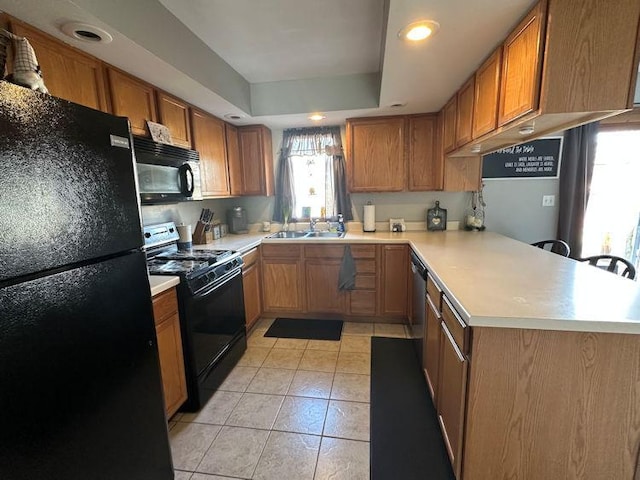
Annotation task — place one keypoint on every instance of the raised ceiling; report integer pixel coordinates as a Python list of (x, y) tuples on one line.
[(276, 61)]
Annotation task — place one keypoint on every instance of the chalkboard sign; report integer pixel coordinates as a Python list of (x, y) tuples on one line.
[(535, 159)]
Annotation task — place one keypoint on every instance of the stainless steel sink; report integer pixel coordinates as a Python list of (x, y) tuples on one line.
[(324, 235), (287, 235), (309, 235)]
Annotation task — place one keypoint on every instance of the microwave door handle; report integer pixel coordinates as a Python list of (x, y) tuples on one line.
[(186, 180)]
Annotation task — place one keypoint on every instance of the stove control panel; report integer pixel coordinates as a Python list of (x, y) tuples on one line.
[(160, 233)]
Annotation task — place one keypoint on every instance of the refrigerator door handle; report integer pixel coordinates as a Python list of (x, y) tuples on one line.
[(187, 183)]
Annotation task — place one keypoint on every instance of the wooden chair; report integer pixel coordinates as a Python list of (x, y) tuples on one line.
[(555, 246), (610, 264)]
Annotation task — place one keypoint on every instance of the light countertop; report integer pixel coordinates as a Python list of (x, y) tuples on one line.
[(160, 283), (495, 281)]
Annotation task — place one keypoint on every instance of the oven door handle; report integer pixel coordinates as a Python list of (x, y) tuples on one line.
[(230, 276)]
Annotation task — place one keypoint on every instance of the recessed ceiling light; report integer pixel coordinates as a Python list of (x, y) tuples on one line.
[(398, 104), (233, 116), (316, 117), (86, 32), (420, 30)]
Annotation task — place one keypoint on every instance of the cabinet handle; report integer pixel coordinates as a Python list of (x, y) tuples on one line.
[(433, 307), (453, 342)]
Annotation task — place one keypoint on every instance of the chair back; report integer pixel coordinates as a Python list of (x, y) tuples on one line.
[(555, 246), (611, 263)]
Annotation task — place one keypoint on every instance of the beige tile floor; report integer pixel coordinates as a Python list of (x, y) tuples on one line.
[(291, 409)]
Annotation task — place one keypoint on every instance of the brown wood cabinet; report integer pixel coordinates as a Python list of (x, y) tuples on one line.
[(321, 281), (165, 313), (376, 154), (395, 280), (256, 158), (431, 357), (487, 87), (233, 159), (174, 114), (522, 66), (251, 284), (425, 161), (133, 98), (463, 174), (209, 140), (282, 278), (464, 117), (68, 73)]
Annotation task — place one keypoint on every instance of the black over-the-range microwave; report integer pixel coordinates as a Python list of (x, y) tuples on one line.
[(166, 173)]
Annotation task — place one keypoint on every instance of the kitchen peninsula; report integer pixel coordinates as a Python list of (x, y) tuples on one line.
[(550, 384)]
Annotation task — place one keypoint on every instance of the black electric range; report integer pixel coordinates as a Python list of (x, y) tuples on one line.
[(211, 308)]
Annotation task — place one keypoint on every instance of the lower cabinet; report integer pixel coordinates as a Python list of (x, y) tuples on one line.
[(395, 280), (251, 281), (282, 278), (431, 357), (165, 313), (322, 279)]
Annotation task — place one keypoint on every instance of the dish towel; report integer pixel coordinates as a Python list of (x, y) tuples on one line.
[(347, 277)]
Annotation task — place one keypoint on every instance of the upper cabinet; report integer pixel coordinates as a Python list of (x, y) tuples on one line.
[(425, 161), (376, 154), (568, 62), (208, 133), (256, 158), (133, 98), (485, 112), (174, 114), (233, 159), (68, 73), (464, 122), (520, 79), (449, 112)]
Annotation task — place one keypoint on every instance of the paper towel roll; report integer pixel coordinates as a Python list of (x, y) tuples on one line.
[(369, 218), (185, 241)]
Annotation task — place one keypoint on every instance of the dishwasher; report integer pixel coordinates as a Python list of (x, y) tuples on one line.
[(417, 318)]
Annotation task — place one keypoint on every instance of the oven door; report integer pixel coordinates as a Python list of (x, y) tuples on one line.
[(213, 332)]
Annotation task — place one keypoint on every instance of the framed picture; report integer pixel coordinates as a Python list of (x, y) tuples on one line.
[(159, 133)]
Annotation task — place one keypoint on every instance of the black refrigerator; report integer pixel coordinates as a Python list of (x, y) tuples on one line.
[(80, 388)]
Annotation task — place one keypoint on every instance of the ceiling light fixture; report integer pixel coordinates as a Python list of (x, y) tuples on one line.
[(398, 104), (86, 32), (233, 116), (316, 117), (417, 31)]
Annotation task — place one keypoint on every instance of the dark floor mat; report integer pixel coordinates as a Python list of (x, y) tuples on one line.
[(305, 328), (406, 442)]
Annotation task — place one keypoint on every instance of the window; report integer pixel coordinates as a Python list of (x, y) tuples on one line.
[(613, 212), (311, 181)]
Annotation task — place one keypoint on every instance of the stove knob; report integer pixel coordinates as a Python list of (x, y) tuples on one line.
[(227, 266), (147, 235)]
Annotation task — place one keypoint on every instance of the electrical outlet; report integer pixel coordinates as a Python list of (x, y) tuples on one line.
[(548, 200)]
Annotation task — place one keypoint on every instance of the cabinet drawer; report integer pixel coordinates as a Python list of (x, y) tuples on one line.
[(282, 251), (365, 266), (362, 302), (365, 282), (165, 304), (434, 292), (455, 324), (250, 257), (324, 251), (363, 251)]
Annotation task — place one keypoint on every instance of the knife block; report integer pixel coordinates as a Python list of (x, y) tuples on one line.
[(200, 234)]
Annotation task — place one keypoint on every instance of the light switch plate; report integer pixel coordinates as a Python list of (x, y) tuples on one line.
[(548, 200)]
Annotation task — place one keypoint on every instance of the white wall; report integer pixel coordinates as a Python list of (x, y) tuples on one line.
[(514, 208)]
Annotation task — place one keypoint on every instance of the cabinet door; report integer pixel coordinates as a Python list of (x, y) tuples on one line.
[(233, 159), (450, 114), (452, 391), (432, 348), (174, 114), (376, 154), (171, 363), (67, 72), (464, 122), (485, 115), (252, 298), (209, 141), (395, 280), (282, 285), (522, 67), (132, 98), (463, 174), (322, 294), (425, 165), (253, 168)]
